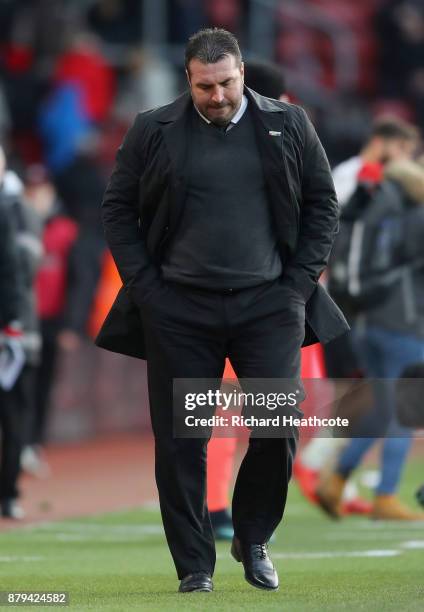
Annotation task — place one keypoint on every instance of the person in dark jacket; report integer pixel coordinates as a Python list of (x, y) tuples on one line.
[(220, 215), (389, 337), (11, 313), (10, 294)]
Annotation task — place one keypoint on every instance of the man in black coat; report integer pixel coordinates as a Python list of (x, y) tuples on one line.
[(220, 215)]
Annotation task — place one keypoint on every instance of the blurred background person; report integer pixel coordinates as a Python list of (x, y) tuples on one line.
[(388, 337), (59, 233), (10, 327), (400, 32), (18, 403), (80, 100), (390, 139)]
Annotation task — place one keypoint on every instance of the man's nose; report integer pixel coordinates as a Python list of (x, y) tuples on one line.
[(218, 95)]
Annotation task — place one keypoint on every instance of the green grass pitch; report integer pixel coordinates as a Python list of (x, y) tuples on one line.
[(120, 562)]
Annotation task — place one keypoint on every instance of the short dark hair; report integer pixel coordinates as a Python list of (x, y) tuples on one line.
[(266, 78), (391, 127), (211, 45)]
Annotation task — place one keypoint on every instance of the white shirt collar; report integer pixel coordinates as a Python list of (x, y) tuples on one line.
[(239, 114)]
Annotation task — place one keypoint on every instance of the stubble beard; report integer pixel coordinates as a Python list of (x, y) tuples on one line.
[(223, 121)]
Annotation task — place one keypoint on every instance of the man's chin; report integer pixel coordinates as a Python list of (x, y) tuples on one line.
[(220, 122), (219, 118)]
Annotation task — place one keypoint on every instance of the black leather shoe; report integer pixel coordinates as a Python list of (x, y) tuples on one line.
[(258, 568), (199, 581)]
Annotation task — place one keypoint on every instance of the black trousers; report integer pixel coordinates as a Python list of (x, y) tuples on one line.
[(44, 379), (15, 410), (189, 333)]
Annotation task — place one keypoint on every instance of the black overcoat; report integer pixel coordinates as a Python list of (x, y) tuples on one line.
[(145, 197)]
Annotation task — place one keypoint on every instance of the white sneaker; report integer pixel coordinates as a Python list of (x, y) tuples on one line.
[(33, 463), (10, 508)]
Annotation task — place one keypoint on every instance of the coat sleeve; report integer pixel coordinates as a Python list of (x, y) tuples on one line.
[(319, 215), (120, 215)]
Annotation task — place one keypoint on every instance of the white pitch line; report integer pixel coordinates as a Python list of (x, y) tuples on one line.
[(15, 559), (94, 528), (150, 505), (332, 555), (389, 525), (349, 536), (413, 544), (78, 532), (73, 537)]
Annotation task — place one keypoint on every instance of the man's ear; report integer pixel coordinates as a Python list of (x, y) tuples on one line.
[(188, 76), (242, 69)]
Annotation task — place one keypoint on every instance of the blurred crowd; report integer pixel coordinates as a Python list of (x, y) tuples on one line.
[(72, 78)]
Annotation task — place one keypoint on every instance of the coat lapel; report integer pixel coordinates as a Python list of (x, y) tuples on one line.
[(175, 127), (271, 135)]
